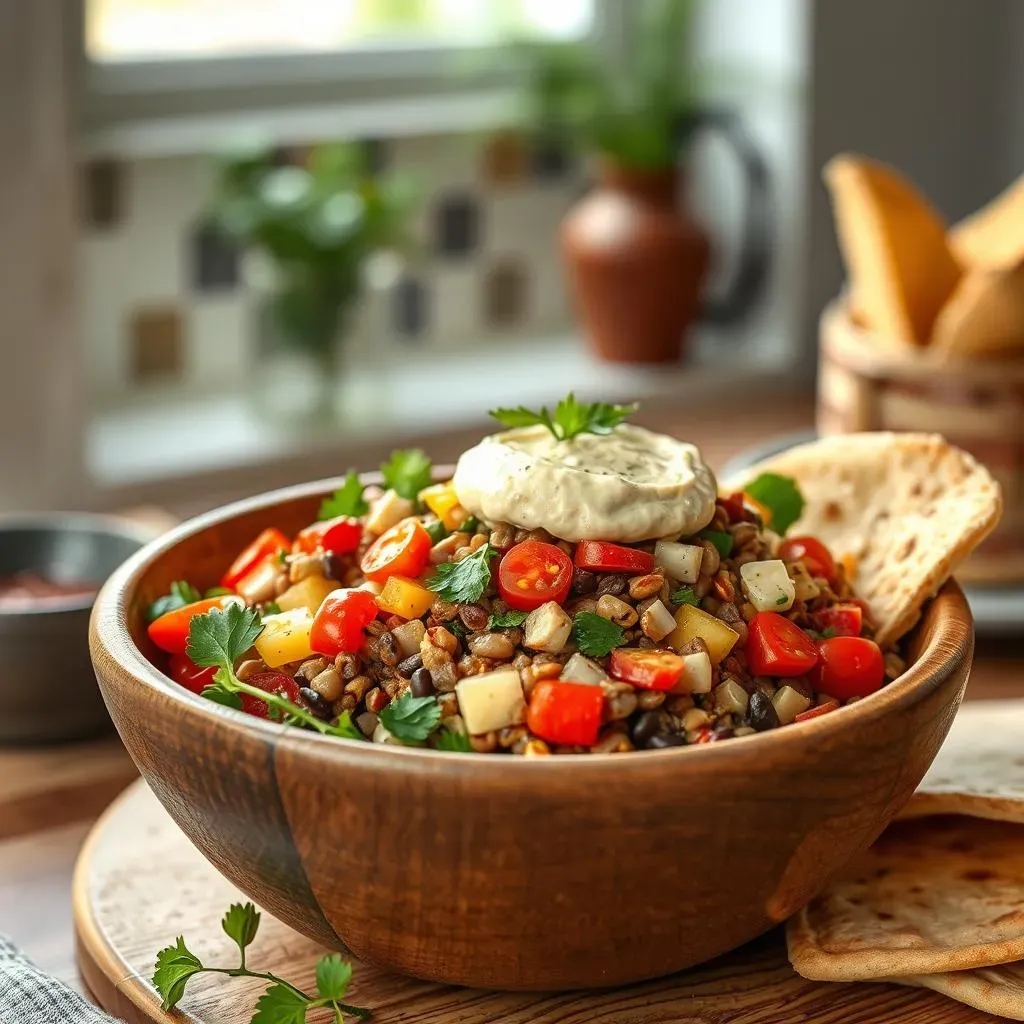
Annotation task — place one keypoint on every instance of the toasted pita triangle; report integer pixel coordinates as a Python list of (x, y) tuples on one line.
[(993, 237), (998, 990), (984, 316)]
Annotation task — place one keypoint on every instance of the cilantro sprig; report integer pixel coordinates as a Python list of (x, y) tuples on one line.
[(282, 1002), (454, 742), (411, 719), (506, 620), (595, 635), (722, 539), (685, 595), (407, 472), (218, 639), (347, 500), (570, 417), (181, 593), (781, 496), (466, 581)]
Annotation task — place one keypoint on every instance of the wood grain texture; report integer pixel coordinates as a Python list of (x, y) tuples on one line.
[(513, 873), (139, 883)]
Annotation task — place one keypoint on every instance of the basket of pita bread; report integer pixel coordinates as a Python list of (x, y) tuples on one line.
[(929, 334)]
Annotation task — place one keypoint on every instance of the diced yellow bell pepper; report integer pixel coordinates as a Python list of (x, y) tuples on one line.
[(694, 622), (441, 500), (405, 597), (285, 637), (308, 593)]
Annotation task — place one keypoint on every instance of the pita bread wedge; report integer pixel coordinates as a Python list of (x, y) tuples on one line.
[(980, 769), (935, 894), (998, 990), (984, 316), (907, 509), (993, 237)]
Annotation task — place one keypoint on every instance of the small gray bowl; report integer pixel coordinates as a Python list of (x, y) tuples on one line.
[(48, 690)]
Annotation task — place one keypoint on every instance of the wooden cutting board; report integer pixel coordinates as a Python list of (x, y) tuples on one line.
[(139, 883)]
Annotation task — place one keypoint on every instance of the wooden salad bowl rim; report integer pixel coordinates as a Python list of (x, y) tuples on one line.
[(939, 645)]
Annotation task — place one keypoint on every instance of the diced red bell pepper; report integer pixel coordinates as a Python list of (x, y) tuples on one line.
[(604, 557), (340, 536), (170, 631), (340, 623), (646, 669), (778, 647), (565, 713), (841, 619), (267, 545)]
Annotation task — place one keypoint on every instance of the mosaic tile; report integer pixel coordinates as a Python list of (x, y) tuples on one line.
[(214, 260), (551, 161), (457, 223), (102, 194), (505, 292), (156, 342)]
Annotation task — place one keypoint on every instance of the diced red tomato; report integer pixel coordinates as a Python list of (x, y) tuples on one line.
[(849, 666), (565, 713), (646, 669), (185, 672), (815, 556), (842, 619), (603, 557), (170, 631), (401, 551), (821, 709), (341, 535), (340, 622), (736, 508), (272, 682), (267, 545), (778, 647), (533, 573)]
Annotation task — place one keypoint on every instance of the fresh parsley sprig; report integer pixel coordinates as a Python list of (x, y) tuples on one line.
[(282, 1002), (570, 417), (722, 539), (506, 620), (181, 593), (411, 719), (595, 635), (347, 500), (218, 639), (466, 581), (781, 496), (407, 472), (454, 742), (685, 595)]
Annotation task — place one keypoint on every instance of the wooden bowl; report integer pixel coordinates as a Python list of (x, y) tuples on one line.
[(867, 383), (501, 872)]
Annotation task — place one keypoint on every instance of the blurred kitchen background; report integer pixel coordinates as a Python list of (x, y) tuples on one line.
[(142, 339)]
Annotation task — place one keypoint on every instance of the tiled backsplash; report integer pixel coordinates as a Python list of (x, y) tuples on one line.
[(166, 306)]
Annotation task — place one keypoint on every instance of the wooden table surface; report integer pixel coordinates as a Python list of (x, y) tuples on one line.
[(50, 797)]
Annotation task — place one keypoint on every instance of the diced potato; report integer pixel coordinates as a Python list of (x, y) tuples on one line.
[(441, 500), (581, 669), (285, 637), (408, 637), (692, 622), (491, 701), (657, 622), (259, 583), (789, 703), (680, 561), (547, 628), (768, 586), (390, 508), (731, 698), (696, 677), (308, 593), (405, 597)]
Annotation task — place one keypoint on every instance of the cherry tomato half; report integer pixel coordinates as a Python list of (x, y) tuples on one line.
[(647, 669), (341, 535), (815, 556), (341, 620), (849, 666), (565, 713), (778, 647), (272, 682), (170, 631), (604, 557), (401, 551), (184, 671), (842, 619), (266, 545), (533, 573)]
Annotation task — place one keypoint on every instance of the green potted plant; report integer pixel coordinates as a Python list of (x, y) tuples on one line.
[(311, 225)]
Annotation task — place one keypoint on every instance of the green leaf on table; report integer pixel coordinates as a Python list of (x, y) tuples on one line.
[(411, 719), (241, 923), (781, 496), (467, 581), (596, 636), (333, 976), (407, 472), (175, 965), (280, 1005), (347, 500)]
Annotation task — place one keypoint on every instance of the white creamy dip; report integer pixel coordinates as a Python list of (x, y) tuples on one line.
[(629, 485)]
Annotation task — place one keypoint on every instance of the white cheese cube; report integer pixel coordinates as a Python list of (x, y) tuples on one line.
[(657, 621), (387, 511), (491, 701), (768, 586), (696, 677), (581, 669), (789, 703), (680, 561), (547, 628)]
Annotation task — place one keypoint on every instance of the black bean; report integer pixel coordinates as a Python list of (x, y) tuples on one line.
[(665, 739), (613, 584), (317, 705), (422, 685), (645, 727), (583, 582), (407, 666), (334, 567), (761, 712)]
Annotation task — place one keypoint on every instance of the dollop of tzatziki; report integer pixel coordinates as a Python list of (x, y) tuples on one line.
[(628, 485)]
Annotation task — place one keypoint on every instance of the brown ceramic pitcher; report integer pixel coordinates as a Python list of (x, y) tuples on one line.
[(637, 261)]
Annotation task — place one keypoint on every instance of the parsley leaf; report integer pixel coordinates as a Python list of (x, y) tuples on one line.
[(333, 976), (241, 923), (570, 417), (458, 627), (781, 496), (407, 472), (271, 608), (685, 595), (280, 1004), (454, 742), (175, 965), (182, 593), (596, 636), (507, 620), (722, 540), (347, 500), (219, 637), (466, 581), (824, 634), (411, 719)]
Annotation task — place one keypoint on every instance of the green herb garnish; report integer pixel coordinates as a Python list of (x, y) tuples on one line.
[(507, 620), (782, 600), (217, 592), (723, 541), (685, 595), (407, 473), (824, 634), (271, 608), (570, 417), (455, 742), (282, 1002), (469, 525), (411, 719), (466, 581), (347, 500), (781, 496), (182, 593), (436, 531), (596, 636), (458, 627)]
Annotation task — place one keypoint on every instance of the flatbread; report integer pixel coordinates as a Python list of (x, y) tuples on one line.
[(907, 508), (980, 769), (984, 316), (934, 894), (998, 990)]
